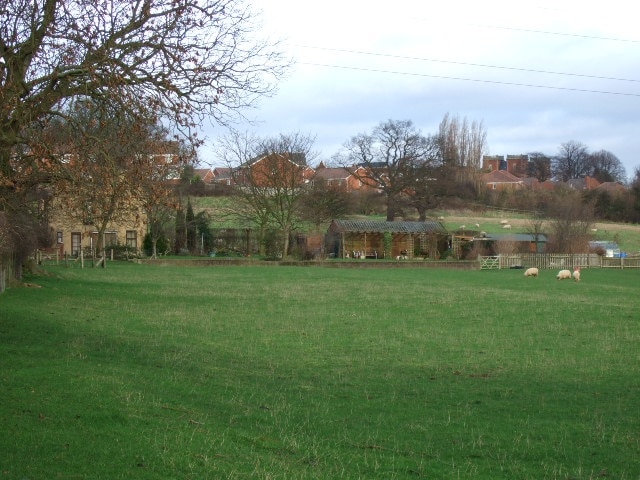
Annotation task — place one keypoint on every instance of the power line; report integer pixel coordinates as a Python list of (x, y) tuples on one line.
[(496, 82), (451, 62), (590, 37)]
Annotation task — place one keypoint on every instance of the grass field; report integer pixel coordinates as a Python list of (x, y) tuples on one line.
[(147, 372)]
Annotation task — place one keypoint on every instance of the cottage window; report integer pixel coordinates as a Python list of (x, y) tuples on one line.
[(132, 239), (76, 243), (59, 237), (110, 239)]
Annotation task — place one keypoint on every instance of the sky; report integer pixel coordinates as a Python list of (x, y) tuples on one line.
[(536, 75)]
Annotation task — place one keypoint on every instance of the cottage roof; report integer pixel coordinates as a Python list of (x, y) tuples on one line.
[(382, 226)]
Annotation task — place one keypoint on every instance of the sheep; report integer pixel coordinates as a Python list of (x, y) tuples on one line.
[(564, 275), (504, 222), (477, 225), (576, 274), (441, 218), (462, 227), (507, 226), (531, 272)]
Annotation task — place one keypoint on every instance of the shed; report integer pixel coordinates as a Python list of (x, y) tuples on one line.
[(525, 242), (610, 249), (383, 239)]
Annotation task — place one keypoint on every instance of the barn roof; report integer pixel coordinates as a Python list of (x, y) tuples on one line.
[(382, 226)]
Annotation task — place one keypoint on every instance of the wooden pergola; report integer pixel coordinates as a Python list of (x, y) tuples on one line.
[(383, 239)]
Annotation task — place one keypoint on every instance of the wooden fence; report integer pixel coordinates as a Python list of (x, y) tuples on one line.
[(545, 261)]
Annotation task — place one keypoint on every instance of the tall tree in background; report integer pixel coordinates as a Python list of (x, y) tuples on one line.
[(186, 60), (572, 161), (392, 155), (462, 143), (539, 166), (157, 196), (269, 174), (604, 166)]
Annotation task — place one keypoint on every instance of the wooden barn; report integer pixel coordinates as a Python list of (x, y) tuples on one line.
[(381, 239)]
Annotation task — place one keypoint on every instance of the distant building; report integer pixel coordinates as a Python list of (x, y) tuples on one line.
[(502, 180), (518, 165), (492, 163)]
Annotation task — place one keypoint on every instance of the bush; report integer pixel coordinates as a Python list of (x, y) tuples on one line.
[(121, 252), (162, 245)]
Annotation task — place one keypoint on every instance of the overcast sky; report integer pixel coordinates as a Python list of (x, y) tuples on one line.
[(536, 75)]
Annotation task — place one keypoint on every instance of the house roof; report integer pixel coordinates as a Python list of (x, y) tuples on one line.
[(514, 237), (584, 183), (332, 173), (611, 187), (606, 244), (382, 226), (222, 173), (500, 176)]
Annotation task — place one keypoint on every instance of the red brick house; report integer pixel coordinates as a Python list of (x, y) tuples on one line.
[(205, 174), (275, 168), (343, 179)]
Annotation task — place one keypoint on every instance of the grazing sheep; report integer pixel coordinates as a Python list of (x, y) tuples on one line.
[(440, 218), (506, 225), (504, 222), (576, 274), (462, 227), (564, 275), (477, 225), (531, 272)]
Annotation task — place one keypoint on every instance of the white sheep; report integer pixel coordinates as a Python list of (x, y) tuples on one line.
[(507, 226), (462, 227), (576, 274), (531, 272), (477, 225), (564, 275), (504, 222)]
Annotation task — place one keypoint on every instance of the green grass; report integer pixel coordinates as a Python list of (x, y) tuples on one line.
[(266, 372)]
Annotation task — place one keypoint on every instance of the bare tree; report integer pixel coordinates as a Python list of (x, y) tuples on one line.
[(269, 174), (321, 203), (606, 167), (572, 161), (392, 155), (535, 228), (570, 224), (186, 60), (539, 166), (461, 143)]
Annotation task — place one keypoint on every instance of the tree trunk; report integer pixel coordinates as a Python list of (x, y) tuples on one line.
[(285, 243), (3, 276), (17, 266)]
